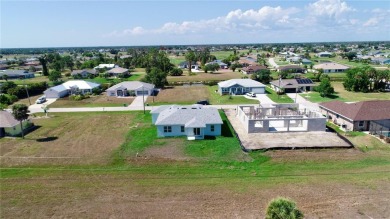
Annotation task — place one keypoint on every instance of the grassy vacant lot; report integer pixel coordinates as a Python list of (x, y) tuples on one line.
[(135, 76), (278, 98), (220, 75), (346, 96), (175, 178), (68, 138), (36, 79), (192, 94), (94, 101)]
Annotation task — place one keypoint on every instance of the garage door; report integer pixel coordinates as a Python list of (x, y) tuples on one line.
[(258, 90), (145, 92)]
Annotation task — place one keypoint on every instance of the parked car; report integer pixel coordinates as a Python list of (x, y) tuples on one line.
[(251, 94), (203, 102), (41, 100)]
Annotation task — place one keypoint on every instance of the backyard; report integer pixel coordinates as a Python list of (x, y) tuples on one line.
[(208, 178), (220, 75), (345, 96), (195, 93)]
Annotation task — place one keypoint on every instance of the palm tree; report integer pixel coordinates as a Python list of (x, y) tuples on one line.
[(20, 113), (190, 56), (283, 208)]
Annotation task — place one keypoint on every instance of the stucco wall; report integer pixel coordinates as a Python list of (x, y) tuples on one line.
[(16, 130)]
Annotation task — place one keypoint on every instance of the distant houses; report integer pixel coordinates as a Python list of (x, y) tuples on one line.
[(194, 121), (106, 66), (221, 64), (324, 54), (291, 69), (240, 87), (70, 87), (130, 88), (185, 65), (118, 71)]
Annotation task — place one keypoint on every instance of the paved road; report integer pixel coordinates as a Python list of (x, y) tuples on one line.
[(115, 109)]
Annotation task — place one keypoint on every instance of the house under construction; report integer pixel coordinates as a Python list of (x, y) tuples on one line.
[(280, 118)]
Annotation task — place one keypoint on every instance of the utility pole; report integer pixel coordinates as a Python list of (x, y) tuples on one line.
[(143, 98), (28, 95)]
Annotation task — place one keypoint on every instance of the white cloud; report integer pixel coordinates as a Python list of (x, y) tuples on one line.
[(371, 22), (264, 18), (379, 16), (330, 8)]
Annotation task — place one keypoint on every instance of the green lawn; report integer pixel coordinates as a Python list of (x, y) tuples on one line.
[(345, 96), (278, 98), (216, 173), (217, 99), (135, 76)]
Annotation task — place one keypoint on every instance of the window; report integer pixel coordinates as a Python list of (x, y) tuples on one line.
[(212, 128), (259, 124), (167, 129), (182, 128), (361, 123)]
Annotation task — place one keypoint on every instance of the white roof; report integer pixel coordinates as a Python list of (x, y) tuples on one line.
[(80, 84), (242, 82), (330, 65), (105, 66)]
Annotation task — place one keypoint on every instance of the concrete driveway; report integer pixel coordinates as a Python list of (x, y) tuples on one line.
[(36, 107), (273, 63), (263, 98), (138, 101), (299, 99)]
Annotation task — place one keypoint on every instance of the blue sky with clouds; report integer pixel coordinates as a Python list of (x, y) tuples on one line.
[(53, 23)]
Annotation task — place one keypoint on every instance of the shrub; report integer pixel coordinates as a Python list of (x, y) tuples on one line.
[(77, 97), (67, 74), (176, 72), (283, 208)]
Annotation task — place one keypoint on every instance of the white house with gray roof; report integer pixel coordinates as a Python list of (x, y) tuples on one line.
[(70, 87), (193, 121), (240, 87), (130, 88), (11, 74)]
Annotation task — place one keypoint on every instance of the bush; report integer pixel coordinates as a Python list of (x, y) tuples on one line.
[(78, 97), (97, 91), (283, 208), (67, 74), (176, 72)]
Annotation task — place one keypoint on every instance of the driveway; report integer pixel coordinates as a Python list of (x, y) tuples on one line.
[(273, 63), (263, 98), (138, 102), (303, 101), (38, 107)]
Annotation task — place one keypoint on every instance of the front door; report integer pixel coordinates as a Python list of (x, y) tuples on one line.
[(196, 131), (119, 93)]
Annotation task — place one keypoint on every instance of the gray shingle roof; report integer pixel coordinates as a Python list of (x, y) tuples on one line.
[(131, 85), (7, 120), (189, 116)]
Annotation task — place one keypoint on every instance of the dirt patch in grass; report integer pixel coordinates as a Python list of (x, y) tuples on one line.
[(78, 138), (94, 101), (180, 95), (172, 148)]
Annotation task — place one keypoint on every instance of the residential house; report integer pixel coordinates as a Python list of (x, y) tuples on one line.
[(331, 67), (247, 61), (306, 62), (358, 116), (14, 74), (291, 69), (252, 69), (9, 126), (70, 87), (106, 66), (85, 73), (240, 87), (117, 71), (194, 65), (292, 85), (130, 88), (221, 64), (194, 121), (324, 54)]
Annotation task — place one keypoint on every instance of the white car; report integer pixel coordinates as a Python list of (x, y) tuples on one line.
[(41, 100), (251, 94)]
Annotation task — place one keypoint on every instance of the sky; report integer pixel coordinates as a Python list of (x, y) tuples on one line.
[(70, 23)]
